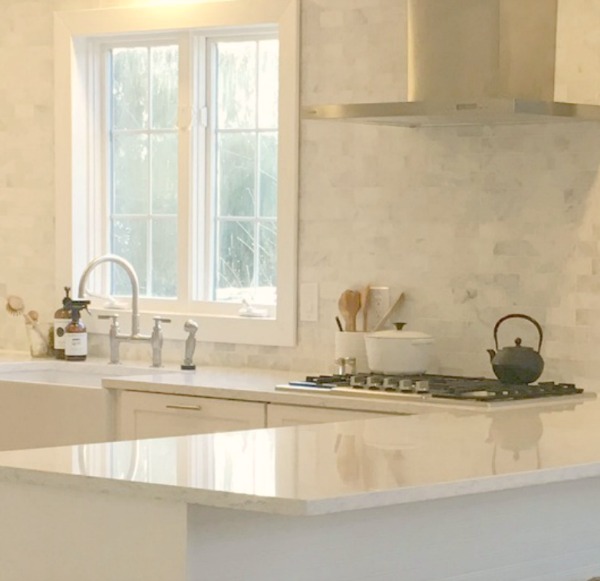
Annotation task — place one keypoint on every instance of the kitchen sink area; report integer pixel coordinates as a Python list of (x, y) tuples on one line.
[(79, 374)]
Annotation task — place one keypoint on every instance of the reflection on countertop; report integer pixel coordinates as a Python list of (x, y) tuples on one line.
[(340, 466)]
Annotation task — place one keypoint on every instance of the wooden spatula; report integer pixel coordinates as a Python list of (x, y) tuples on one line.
[(349, 305)]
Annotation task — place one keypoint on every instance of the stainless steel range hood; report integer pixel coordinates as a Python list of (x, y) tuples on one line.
[(480, 62)]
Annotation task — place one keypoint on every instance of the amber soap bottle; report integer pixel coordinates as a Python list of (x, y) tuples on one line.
[(76, 344), (62, 317)]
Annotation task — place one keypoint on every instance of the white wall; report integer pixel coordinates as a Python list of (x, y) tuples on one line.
[(471, 223)]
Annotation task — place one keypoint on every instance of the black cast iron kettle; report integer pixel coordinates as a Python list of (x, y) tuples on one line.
[(517, 364)]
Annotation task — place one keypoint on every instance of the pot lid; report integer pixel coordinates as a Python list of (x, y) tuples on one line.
[(394, 334)]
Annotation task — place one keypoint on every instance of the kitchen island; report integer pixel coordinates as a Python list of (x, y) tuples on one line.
[(506, 494)]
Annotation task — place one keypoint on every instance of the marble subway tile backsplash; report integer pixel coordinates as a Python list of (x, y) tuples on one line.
[(471, 223)]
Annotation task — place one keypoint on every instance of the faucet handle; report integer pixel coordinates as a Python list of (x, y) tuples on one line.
[(158, 320), (113, 316)]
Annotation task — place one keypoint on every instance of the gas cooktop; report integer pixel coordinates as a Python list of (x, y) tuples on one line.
[(432, 387)]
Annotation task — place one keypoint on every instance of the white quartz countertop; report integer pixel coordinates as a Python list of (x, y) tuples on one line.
[(327, 468), (247, 384), (230, 383), (260, 385)]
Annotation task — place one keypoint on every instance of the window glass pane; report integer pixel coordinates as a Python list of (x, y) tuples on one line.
[(164, 257), (128, 239), (130, 177), (236, 85), (236, 155), (267, 257), (268, 174), (268, 84), (164, 173), (165, 73), (130, 88), (235, 260)]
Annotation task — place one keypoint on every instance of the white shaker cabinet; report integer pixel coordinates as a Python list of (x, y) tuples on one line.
[(39, 416), (279, 415), (151, 415)]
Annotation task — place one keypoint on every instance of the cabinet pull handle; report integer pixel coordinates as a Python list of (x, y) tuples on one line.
[(193, 408)]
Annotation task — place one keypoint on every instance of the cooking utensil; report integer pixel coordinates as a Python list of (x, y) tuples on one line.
[(365, 298), (399, 352), (349, 305), (388, 313), (517, 364)]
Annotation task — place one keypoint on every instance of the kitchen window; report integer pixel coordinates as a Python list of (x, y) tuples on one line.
[(232, 156), (179, 152)]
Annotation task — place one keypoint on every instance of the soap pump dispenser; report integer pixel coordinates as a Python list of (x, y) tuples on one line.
[(76, 345), (62, 317)]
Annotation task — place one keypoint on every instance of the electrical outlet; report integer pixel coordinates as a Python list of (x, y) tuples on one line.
[(379, 303)]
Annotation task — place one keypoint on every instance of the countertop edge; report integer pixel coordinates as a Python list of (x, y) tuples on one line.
[(300, 507)]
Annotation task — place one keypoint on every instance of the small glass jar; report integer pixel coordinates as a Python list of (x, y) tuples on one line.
[(40, 335)]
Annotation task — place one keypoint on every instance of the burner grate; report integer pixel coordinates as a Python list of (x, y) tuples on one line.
[(444, 386)]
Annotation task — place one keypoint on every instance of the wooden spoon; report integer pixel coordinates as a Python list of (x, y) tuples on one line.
[(349, 305)]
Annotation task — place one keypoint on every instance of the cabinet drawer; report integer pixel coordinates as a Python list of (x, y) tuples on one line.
[(293, 415), (149, 415)]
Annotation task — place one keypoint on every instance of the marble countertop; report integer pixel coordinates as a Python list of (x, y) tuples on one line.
[(257, 385), (327, 468), (322, 468), (246, 384)]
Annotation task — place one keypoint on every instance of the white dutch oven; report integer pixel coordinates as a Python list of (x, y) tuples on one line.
[(399, 352)]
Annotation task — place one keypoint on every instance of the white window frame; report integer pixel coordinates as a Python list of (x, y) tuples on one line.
[(73, 89)]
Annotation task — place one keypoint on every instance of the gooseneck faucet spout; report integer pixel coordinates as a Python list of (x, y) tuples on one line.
[(115, 336), (135, 285)]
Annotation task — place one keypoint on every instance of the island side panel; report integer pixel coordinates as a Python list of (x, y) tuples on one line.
[(542, 533), (63, 534)]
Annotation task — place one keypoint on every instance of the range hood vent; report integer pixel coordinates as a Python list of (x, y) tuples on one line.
[(482, 62)]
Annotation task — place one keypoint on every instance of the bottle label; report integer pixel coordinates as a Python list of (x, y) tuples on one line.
[(75, 344), (59, 332)]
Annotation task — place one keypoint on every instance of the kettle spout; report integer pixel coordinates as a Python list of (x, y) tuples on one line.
[(492, 354)]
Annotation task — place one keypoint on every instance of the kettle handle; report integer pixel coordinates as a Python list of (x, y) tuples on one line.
[(530, 319)]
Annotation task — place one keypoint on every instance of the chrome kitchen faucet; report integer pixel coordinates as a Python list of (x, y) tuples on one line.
[(115, 337)]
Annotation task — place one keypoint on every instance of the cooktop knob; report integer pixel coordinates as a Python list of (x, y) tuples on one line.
[(406, 385), (422, 386)]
